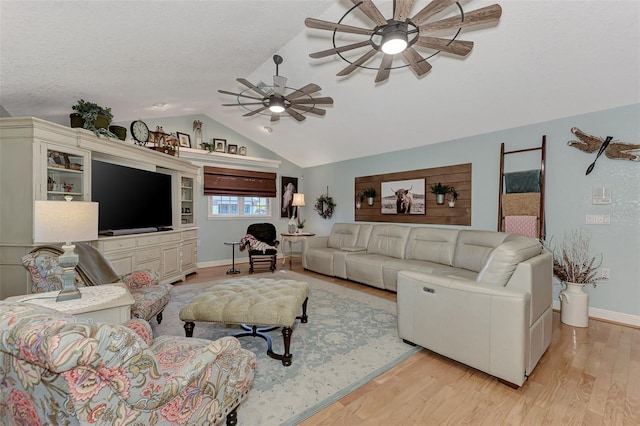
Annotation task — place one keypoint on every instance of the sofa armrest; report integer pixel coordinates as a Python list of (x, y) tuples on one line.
[(141, 328), (353, 249), (140, 279), (482, 326)]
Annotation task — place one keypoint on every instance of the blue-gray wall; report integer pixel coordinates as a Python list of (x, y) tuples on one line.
[(568, 193)]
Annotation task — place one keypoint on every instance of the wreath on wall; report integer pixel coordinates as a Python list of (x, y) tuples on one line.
[(324, 206)]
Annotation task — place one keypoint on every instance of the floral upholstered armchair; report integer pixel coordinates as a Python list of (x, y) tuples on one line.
[(60, 369), (94, 269)]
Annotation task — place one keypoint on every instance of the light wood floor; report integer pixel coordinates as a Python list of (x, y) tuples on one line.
[(588, 376)]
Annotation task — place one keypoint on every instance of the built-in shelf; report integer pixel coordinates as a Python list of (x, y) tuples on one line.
[(203, 156)]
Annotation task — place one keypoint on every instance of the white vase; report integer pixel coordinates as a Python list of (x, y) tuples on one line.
[(574, 305), (370, 201), (439, 198)]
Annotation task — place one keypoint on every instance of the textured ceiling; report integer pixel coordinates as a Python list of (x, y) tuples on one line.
[(543, 60)]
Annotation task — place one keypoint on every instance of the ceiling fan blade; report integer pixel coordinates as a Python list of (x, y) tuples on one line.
[(385, 68), (345, 48), (239, 94), (259, 110), (433, 8), (317, 101), (370, 9), (417, 62), (275, 117), (402, 9), (481, 16), (252, 86), (355, 64), (312, 110), (330, 26), (309, 88), (295, 114), (457, 47), (244, 103), (279, 84)]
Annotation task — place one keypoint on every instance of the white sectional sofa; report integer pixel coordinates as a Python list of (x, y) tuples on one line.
[(479, 297)]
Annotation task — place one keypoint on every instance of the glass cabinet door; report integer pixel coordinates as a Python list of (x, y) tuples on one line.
[(186, 191), (65, 174)]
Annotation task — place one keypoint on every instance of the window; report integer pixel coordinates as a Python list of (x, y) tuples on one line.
[(234, 206)]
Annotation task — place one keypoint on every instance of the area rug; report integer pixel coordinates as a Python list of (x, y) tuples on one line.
[(350, 339)]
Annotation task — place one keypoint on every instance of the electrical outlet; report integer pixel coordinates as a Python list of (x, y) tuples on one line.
[(604, 273)]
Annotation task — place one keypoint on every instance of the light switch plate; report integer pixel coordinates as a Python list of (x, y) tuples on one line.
[(601, 194)]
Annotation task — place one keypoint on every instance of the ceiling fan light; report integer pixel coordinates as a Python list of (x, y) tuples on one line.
[(276, 104), (394, 39)]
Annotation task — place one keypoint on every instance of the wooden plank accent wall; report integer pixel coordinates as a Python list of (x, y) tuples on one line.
[(458, 176)]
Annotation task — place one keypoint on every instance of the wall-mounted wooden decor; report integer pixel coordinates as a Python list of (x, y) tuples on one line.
[(421, 200)]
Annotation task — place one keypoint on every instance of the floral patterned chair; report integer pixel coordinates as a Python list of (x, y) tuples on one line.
[(94, 269), (60, 369)]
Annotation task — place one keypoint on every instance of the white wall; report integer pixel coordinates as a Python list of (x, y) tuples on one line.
[(568, 194)]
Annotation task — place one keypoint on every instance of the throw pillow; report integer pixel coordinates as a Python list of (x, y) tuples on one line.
[(140, 279)]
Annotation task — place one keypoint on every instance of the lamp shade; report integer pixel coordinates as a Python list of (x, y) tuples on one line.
[(65, 221), (298, 200)]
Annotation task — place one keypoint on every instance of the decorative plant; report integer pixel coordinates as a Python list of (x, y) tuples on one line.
[(208, 146), (89, 112), (369, 192), (572, 262), (454, 193), (438, 188)]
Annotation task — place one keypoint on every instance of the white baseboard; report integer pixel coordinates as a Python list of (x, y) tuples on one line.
[(603, 314), (227, 262)]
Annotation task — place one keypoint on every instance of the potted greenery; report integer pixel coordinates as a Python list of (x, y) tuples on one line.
[(369, 193), (359, 200), (92, 116), (440, 190), (575, 268), (454, 197)]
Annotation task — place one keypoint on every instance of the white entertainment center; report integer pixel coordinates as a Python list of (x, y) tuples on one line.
[(40, 160)]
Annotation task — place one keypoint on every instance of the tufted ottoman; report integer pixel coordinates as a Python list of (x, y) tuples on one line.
[(257, 304)]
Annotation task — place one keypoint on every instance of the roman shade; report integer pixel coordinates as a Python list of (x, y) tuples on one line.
[(247, 183)]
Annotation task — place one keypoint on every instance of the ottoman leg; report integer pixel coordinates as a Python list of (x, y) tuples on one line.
[(188, 328), (303, 318), (159, 317), (286, 356)]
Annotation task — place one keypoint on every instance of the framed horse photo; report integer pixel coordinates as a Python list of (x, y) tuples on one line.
[(289, 186)]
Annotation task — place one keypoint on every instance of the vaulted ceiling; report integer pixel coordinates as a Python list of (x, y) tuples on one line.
[(543, 60)]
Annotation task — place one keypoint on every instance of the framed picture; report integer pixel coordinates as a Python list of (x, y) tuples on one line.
[(289, 187), (242, 150), (232, 149), (185, 140), (403, 197), (220, 145)]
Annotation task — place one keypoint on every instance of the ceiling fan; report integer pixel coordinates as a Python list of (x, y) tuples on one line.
[(279, 98), (403, 34)]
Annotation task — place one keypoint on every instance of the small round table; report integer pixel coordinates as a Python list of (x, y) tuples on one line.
[(233, 269)]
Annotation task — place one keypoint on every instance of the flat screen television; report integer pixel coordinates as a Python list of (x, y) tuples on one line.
[(130, 200)]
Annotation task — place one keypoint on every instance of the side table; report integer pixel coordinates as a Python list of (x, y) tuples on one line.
[(108, 303), (233, 269), (292, 238)]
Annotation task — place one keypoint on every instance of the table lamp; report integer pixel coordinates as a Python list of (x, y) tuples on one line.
[(298, 201), (57, 221)]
